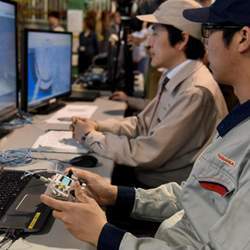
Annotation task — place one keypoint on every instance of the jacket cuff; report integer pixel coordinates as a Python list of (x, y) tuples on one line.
[(125, 200), (110, 238), (94, 138)]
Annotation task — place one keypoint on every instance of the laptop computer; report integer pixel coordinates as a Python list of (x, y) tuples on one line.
[(20, 205)]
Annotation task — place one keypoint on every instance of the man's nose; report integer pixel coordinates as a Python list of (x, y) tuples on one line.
[(149, 42)]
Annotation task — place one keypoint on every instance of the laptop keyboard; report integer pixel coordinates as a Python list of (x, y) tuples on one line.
[(11, 185)]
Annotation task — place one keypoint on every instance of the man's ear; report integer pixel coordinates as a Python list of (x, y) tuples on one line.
[(244, 40), (183, 43)]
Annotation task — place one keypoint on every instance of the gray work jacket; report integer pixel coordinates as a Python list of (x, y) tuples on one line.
[(212, 209)]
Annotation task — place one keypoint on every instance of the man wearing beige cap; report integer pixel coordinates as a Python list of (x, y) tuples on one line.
[(161, 143)]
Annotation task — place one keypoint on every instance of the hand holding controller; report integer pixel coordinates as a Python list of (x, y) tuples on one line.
[(61, 187)]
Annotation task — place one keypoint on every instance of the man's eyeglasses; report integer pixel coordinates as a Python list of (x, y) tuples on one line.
[(208, 29)]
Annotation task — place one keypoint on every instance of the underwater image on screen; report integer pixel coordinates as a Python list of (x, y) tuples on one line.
[(7, 56), (49, 63)]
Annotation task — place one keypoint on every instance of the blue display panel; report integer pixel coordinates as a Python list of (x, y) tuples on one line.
[(49, 65), (65, 180), (8, 54)]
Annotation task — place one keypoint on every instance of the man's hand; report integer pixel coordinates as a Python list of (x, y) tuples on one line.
[(84, 219), (119, 96), (97, 187), (81, 127), (86, 120)]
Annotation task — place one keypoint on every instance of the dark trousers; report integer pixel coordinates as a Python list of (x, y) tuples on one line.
[(123, 175), (139, 228)]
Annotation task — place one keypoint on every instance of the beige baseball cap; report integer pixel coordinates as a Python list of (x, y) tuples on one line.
[(171, 12)]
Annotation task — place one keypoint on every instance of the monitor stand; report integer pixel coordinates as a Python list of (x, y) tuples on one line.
[(49, 108)]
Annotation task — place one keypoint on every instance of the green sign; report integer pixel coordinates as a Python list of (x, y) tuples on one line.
[(77, 4)]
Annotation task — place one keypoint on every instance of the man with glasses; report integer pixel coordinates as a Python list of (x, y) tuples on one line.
[(208, 29), (211, 210)]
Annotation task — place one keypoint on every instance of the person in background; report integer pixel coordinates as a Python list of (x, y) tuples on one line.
[(151, 74), (88, 44), (163, 141), (115, 22), (54, 21), (105, 32), (152, 77), (140, 56), (210, 211)]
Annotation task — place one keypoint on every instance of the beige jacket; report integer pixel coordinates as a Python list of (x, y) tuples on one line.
[(163, 146)]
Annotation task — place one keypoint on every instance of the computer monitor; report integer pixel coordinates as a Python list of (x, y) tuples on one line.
[(47, 68), (8, 60)]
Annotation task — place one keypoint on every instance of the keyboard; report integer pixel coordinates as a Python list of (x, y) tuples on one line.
[(11, 185)]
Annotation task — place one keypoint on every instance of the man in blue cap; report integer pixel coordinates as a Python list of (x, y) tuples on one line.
[(211, 210)]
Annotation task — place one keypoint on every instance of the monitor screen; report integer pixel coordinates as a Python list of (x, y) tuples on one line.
[(48, 65), (8, 60)]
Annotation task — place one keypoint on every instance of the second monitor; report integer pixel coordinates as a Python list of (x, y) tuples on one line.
[(46, 68)]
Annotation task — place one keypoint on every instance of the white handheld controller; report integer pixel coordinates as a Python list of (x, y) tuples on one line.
[(60, 187)]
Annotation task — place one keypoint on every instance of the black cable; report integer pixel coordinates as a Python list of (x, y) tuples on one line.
[(11, 236), (21, 119)]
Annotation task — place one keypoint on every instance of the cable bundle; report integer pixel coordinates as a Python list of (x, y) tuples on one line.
[(15, 157)]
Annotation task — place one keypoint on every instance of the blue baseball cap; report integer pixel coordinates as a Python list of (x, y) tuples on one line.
[(222, 12)]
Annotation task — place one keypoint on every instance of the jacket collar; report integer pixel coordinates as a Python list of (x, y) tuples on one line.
[(172, 72), (184, 73), (239, 114)]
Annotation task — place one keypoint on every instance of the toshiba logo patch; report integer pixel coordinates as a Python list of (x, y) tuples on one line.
[(226, 160)]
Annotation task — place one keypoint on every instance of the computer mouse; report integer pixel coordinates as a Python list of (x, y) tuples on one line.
[(85, 161)]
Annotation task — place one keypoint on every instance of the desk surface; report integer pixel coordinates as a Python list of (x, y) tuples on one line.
[(57, 237)]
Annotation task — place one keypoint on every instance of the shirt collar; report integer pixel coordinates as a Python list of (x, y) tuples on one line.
[(239, 114), (173, 72)]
